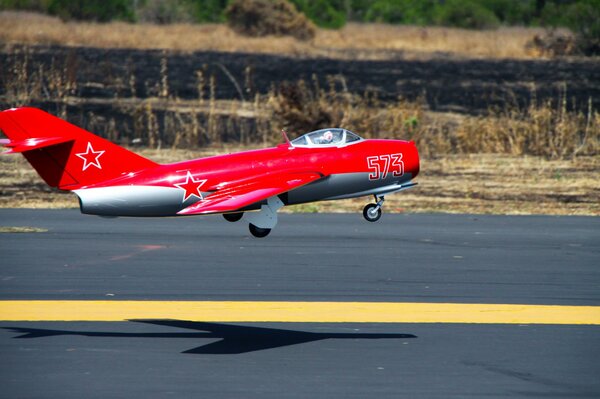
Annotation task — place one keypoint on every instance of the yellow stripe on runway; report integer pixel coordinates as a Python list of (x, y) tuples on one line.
[(317, 312)]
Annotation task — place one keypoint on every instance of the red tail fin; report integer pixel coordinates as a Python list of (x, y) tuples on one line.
[(64, 155)]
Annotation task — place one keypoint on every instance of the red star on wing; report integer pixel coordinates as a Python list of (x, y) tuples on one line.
[(90, 157), (191, 187)]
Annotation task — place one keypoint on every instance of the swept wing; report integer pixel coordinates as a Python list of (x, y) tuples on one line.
[(236, 196)]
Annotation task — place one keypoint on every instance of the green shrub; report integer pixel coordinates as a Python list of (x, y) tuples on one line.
[(390, 12), (94, 10), (325, 13), (29, 5), (511, 12), (209, 10), (165, 11), (402, 11), (583, 18), (268, 17), (358, 10), (551, 15), (466, 14)]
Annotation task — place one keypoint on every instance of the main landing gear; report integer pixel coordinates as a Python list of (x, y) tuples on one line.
[(372, 212), (260, 223), (258, 231), (233, 217)]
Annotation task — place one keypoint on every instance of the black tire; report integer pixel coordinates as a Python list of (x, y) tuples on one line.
[(258, 231), (233, 217), (370, 214)]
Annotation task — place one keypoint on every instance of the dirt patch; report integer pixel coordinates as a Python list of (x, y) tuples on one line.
[(21, 229)]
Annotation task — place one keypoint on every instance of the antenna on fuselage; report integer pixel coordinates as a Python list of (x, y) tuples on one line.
[(285, 137)]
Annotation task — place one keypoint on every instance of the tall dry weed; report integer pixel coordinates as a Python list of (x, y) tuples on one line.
[(543, 130), (548, 129), (22, 83)]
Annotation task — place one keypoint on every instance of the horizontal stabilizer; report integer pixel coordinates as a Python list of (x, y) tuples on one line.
[(32, 143)]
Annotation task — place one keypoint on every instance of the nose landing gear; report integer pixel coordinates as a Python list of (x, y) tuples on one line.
[(372, 212)]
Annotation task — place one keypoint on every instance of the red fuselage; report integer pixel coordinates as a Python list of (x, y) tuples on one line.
[(356, 169)]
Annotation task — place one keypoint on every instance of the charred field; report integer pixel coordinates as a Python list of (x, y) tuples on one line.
[(445, 83)]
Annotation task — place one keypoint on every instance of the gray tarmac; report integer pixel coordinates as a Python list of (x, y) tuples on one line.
[(308, 257)]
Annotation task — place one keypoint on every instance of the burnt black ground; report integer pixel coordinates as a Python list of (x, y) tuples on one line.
[(445, 83)]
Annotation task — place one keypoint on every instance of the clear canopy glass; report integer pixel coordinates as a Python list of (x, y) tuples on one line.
[(326, 137)]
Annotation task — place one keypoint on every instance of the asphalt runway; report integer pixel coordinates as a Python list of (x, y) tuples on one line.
[(432, 259)]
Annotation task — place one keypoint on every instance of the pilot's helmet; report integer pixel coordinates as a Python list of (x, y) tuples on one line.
[(328, 136)]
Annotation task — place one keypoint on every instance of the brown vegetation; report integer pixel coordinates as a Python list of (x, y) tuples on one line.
[(367, 41), (258, 18), (553, 43), (540, 129)]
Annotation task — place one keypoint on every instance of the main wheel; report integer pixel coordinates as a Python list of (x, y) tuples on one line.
[(258, 231), (233, 217), (372, 213)]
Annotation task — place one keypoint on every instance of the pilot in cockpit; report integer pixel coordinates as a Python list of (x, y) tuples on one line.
[(326, 138)]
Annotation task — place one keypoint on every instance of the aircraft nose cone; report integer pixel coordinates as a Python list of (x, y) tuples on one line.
[(414, 163)]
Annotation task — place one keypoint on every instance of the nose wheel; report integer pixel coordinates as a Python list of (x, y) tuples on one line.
[(372, 212)]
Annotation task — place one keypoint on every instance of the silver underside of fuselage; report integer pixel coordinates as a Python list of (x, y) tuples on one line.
[(133, 201), (347, 185), (167, 201)]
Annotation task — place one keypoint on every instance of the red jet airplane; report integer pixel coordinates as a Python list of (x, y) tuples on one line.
[(109, 180)]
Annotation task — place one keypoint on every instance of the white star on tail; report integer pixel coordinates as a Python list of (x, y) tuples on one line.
[(90, 157)]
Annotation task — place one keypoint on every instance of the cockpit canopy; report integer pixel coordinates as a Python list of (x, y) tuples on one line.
[(326, 137)]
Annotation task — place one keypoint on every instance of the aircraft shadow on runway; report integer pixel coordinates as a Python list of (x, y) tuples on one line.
[(235, 339)]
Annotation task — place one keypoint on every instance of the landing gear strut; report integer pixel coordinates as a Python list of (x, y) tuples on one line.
[(372, 212), (260, 223)]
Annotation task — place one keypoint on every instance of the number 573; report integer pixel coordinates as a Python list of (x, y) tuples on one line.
[(381, 165)]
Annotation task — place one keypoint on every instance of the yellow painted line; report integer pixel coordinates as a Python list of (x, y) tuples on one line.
[(319, 312)]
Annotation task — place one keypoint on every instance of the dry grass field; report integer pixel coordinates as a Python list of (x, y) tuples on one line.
[(355, 41), (477, 184)]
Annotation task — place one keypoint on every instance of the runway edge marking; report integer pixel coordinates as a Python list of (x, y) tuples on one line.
[(308, 312)]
